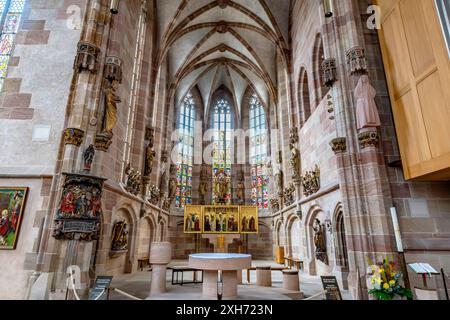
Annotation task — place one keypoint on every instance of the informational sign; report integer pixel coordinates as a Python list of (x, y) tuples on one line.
[(100, 289), (331, 285)]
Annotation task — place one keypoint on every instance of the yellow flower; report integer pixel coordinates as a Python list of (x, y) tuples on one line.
[(385, 286), (381, 270), (392, 282)]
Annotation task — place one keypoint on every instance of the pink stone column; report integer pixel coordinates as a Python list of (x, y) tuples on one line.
[(160, 256)]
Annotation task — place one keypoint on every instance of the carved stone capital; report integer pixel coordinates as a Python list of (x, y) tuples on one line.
[(73, 136), (113, 68), (369, 139), (86, 58), (339, 145), (356, 60), (329, 72), (103, 141)]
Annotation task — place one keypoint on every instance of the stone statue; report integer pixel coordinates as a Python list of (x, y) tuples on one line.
[(222, 186), (88, 157), (149, 156), (240, 192), (172, 187), (366, 109), (119, 240), (202, 190), (279, 183), (111, 101), (163, 183), (320, 242), (295, 162)]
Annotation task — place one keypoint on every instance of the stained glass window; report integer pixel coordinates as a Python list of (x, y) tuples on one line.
[(11, 13), (221, 162), (186, 121), (258, 153)]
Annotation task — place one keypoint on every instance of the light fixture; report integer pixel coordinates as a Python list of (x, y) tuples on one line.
[(328, 8), (114, 6)]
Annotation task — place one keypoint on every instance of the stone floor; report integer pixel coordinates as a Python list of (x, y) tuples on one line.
[(138, 285)]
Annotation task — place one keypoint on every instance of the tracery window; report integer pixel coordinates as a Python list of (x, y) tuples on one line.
[(258, 153), (221, 162), (185, 126), (10, 15)]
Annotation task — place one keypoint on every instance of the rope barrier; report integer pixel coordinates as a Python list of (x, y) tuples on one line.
[(125, 294), (316, 295)]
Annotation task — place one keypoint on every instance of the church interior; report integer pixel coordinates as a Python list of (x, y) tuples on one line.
[(224, 149)]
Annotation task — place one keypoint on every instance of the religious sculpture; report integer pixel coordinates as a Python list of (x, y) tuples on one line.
[(149, 156), (275, 205), (289, 194), (80, 208), (119, 239), (240, 192), (163, 183), (311, 181), (366, 109), (88, 157), (134, 180), (279, 183), (295, 162), (222, 186), (155, 195), (202, 190), (111, 101), (320, 242)]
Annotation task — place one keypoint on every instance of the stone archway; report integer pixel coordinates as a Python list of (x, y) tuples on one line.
[(340, 244), (294, 238), (146, 237)]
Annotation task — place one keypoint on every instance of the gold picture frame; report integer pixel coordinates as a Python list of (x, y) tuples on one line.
[(193, 219), (12, 206), (248, 219)]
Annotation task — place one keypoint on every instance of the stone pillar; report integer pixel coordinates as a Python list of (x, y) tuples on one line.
[(160, 256), (229, 280), (291, 280)]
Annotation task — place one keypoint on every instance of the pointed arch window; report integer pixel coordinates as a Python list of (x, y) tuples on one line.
[(10, 15), (258, 153), (185, 126), (222, 124)]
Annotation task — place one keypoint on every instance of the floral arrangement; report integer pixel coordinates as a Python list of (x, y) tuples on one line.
[(386, 282)]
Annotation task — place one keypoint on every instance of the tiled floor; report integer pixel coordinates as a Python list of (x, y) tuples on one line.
[(138, 285)]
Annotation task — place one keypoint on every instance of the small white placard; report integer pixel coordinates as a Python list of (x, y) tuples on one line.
[(41, 133)]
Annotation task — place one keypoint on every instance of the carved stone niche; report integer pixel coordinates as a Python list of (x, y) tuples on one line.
[(113, 68), (119, 242), (357, 61), (329, 72), (86, 58), (368, 139), (293, 136), (73, 136), (339, 145), (80, 208)]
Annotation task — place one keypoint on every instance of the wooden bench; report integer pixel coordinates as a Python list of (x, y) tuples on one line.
[(271, 268), (143, 262), (182, 269)]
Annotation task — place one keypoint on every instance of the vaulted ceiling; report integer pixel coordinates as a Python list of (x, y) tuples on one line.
[(232, 43)]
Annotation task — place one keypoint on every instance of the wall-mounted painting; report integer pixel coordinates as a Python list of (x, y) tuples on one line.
[(193, 219), (221, 219), (249, 219), (12, 205)]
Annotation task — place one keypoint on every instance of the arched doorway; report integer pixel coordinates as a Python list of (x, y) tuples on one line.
[(295, 236), (146, 237), (340, 242)]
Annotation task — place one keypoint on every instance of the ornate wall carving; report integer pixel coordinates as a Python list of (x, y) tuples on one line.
[(368, 139), (113, 68), (311, 181), (80, 208), (289, 195), (119, 237), (73, 136), (356, 60), (339, 145), (133, 180), (329, 72)]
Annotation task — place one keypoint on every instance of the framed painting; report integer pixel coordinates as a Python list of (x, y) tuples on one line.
[(221, 219), (12, 206), (193, 219), (249, 219)]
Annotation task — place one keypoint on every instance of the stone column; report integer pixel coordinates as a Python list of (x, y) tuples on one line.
[(160, 256)]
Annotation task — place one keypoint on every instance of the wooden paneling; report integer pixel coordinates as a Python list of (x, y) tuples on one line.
[(418, 73)]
